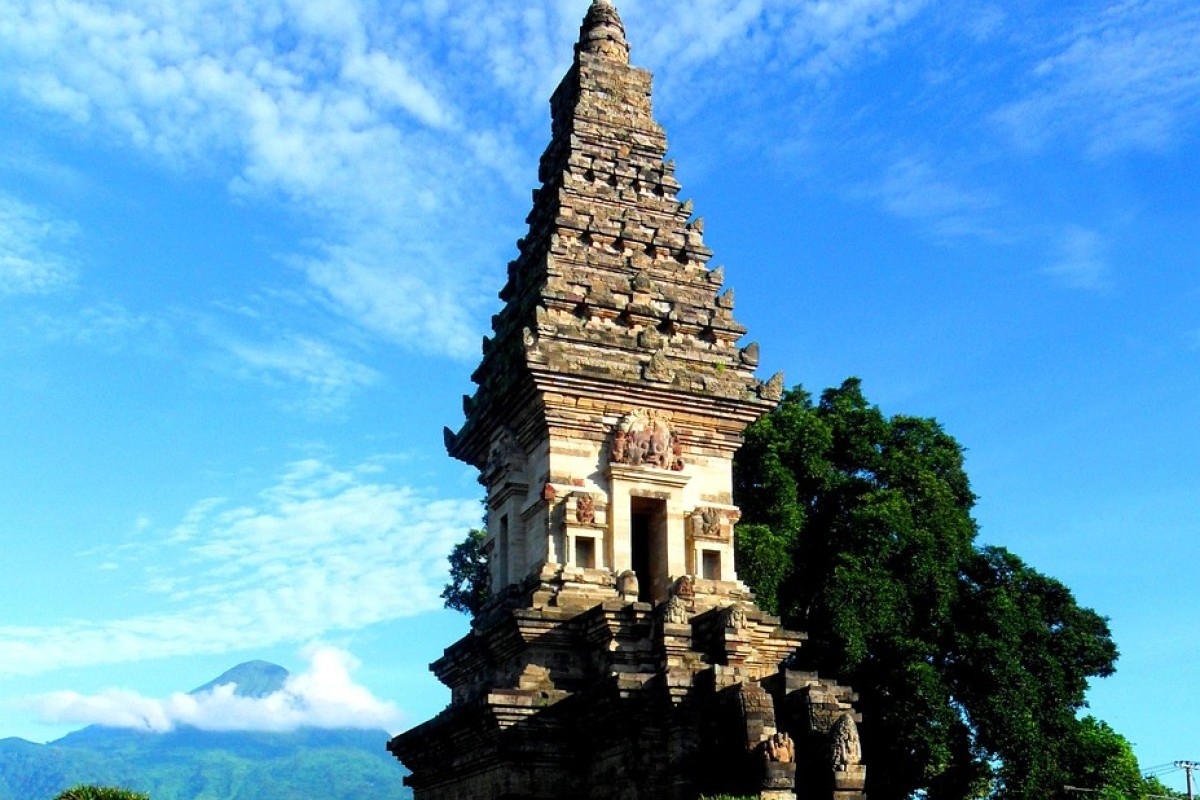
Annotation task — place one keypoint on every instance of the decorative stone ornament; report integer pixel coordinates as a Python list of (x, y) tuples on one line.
[(773, 389), (779, 749), (659, 369), (845, 747), (735, 618), (585, 509), (706, 523), (676, 612), (645, 438), (627, 584), (505, 456)]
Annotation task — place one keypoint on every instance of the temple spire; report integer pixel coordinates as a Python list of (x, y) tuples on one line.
[(603, 33)]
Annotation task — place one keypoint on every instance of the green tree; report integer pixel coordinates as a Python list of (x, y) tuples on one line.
[(468, 589), (970, 664), (82, 792), (1102, 760)]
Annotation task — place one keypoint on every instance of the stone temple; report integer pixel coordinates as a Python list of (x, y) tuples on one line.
[(619, 657)]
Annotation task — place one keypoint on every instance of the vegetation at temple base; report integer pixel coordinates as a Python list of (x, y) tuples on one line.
[(971, 665), (100, 793), (467, 590)]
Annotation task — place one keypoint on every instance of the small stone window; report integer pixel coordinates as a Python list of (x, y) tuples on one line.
[(585, 552), (710, 565)]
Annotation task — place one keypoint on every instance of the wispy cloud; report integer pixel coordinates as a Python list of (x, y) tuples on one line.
[(324, 549), (323, 696), (913, 188), (34, 249), (1080, 261), (1129, 78), (327, 376), (398, 130), (813, 36), (330, 107), (104, 324)]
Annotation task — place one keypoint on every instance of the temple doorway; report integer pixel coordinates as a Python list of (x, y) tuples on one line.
[(648, 543)]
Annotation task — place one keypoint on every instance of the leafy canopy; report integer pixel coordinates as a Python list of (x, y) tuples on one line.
[(970, 664), (468, 588), (82, 792)]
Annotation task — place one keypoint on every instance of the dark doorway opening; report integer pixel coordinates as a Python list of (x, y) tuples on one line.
[(648, 543)]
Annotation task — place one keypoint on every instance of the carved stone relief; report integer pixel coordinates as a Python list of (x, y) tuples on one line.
[(779, 749), (645, 438), (707, 523), (505, 455), (677, 613), (845, 747), (821, 717), (735, 617), (585, 509)]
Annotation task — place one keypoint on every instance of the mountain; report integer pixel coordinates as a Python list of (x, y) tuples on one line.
[(253, 679), (191, 764)]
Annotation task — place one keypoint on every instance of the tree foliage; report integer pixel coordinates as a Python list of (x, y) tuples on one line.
[(82, 792), (468, 589), (971, 665), (1101, 759)]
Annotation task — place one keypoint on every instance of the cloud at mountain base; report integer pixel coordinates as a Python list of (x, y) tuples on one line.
[(324, 695)]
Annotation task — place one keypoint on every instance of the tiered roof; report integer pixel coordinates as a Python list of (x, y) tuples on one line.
[(611, 284)]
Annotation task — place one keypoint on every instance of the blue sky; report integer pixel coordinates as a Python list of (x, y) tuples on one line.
[(247, 254)]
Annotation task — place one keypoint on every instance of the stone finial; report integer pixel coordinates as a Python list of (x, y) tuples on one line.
[(627, 585), (603, 33), (773, 389)]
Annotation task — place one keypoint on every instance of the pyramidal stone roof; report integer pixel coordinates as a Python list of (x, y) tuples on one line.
[(611, 284)]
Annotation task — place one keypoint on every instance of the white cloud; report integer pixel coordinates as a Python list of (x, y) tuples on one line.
[(32, 249), (403, 131), (811, 37), (107, 325), (1129, 78), (323, 696), (1080, 262), (327, 376), (299, 101), (392, 301), (913, 188), (324, 549)]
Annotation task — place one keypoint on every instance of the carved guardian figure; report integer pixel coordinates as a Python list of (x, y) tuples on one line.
[(779, 749), (846, 747), (645, 438)]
